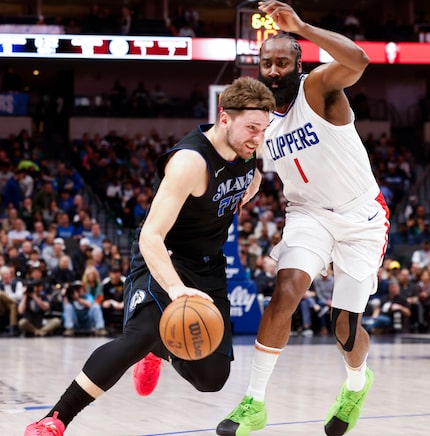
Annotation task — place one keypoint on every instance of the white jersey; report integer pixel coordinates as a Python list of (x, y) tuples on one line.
[(318, 162)]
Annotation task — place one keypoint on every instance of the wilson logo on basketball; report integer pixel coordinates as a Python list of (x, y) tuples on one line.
[(196, 335)]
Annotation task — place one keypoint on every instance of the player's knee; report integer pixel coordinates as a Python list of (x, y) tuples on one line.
[(211, 384), (344, 327), (286, 298)]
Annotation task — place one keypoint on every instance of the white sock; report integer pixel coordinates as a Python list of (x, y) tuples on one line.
[(356, 377), (262, 366)]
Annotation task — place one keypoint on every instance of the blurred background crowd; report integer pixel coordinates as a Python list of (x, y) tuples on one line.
[(69, 206)]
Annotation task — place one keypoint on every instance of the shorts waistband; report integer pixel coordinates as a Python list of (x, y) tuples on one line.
[(365, 198)]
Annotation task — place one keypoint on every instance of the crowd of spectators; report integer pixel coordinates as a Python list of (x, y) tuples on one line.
[(58, 270), (52, 251), (129, 19)]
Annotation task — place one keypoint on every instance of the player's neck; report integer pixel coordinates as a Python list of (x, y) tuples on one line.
[(219, 144)]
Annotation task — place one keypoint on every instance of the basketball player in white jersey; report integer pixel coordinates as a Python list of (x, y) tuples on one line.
[(335, 213)]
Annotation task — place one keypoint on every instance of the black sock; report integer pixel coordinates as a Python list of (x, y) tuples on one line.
[(71, 403)]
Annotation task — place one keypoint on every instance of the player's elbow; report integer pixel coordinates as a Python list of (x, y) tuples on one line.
[(362, 60)]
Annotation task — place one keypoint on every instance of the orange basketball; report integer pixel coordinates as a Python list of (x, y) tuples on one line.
[(191, 328)]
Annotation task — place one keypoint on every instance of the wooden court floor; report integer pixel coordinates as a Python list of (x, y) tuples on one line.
[(34, 372)]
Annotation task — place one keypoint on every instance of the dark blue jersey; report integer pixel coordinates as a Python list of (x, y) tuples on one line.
[(203, 222)]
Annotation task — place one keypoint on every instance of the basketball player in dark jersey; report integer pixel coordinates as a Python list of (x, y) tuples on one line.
[(202, 182)]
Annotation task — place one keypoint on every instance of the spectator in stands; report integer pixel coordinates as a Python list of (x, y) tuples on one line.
[(421, 256), (392, 312), (187, 30), (307, 308), (50, 214), (26, 213), (81, 312), (113, 299), (12, 193), (65, 229), (33, 261), (18, 234), (265, 281), (8, 314), (113, 195), (93, 284), (401, 236), (33, 308), (27, 182), (45, 196), (141, 208), (424, 295), (125, 21), (23, 257), (63, 273), (397, 181), (8, 221), (81, 258), (39, 233), (96, 236), (410, 291), (85, 230), (11, 291), (116, 258), (78, 221), (99, 263), (266, 221), (67, 202), (5, 174), (52, 255), (323, 286), (10, 284)]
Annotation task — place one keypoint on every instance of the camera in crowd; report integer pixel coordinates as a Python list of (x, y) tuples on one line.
[(30, 285), (72, 288)]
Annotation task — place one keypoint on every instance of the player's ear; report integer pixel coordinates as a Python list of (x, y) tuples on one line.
[(299, 66)]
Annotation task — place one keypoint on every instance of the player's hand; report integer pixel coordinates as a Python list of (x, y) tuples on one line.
[(179, 291), (283, 14)]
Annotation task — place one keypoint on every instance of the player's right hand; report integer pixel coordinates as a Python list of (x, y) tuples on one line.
[(283, 14), (181, 290)]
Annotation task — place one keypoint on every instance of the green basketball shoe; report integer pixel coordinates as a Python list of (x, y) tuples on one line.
[(344, 413), (248, 416)]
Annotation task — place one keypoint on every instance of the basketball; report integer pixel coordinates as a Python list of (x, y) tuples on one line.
[(191, 328)]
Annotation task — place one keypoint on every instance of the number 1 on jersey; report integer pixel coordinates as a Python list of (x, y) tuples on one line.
[(305, 179)]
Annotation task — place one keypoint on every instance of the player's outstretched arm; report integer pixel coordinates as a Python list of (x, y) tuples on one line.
[(349, 59)]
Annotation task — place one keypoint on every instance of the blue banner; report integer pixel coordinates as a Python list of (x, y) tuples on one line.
[(245, 311), (13, 104), (235, 269)]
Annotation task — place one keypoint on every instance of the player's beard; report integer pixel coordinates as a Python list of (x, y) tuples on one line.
[(286, 89)]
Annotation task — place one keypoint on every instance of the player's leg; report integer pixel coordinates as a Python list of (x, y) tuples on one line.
[(350, 297), (206, 375), (297, 267), (140, 336)]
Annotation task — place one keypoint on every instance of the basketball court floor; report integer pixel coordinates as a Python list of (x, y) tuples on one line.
[(34, 372)]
